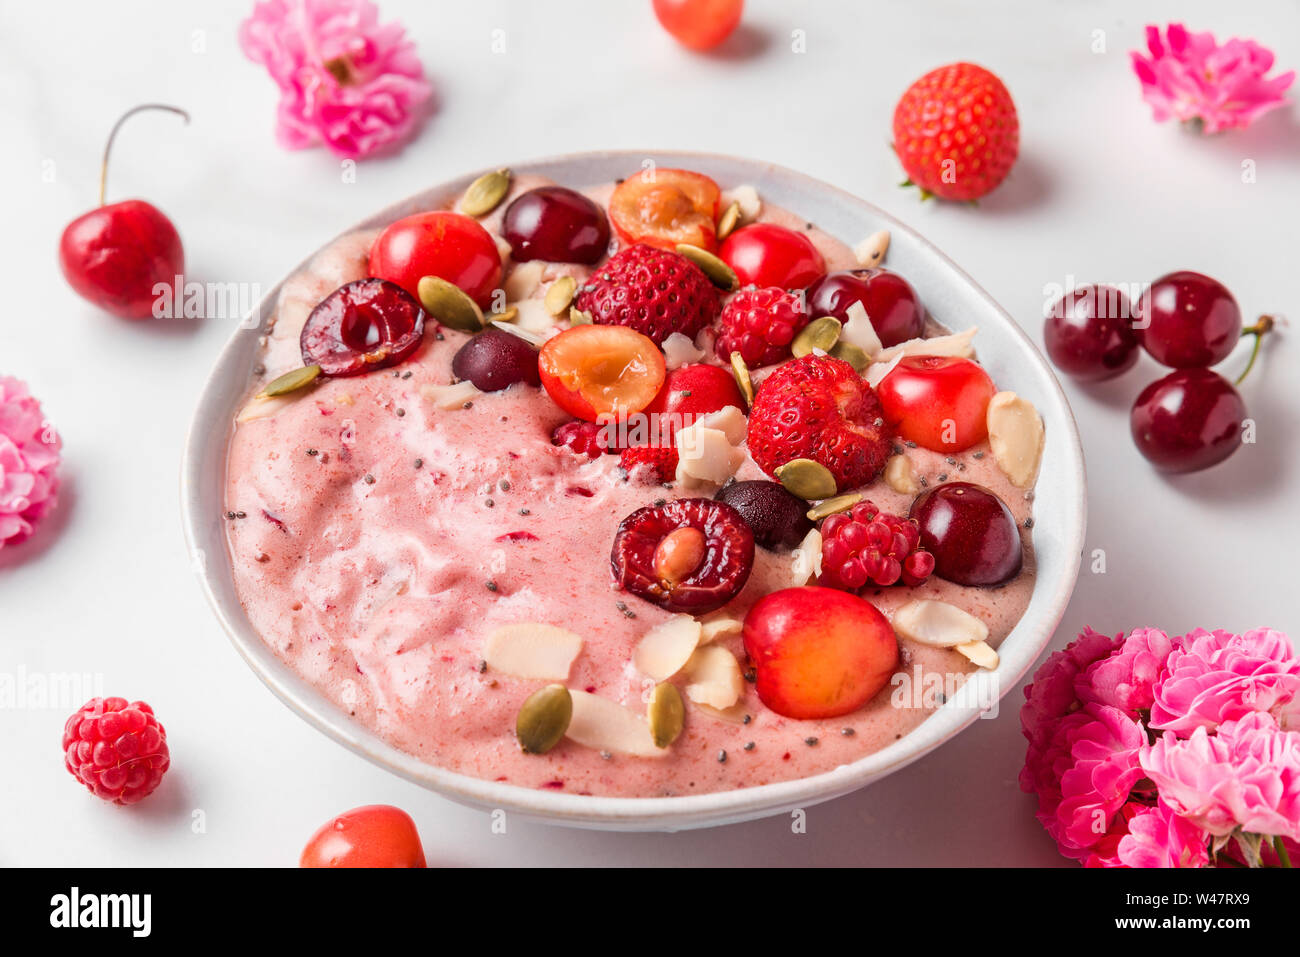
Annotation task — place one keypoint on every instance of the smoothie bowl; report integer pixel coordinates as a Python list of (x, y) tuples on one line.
[(636, 491)]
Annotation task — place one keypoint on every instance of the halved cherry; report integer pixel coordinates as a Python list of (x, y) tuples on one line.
[(594, 372), (664, 207), (363, 325)]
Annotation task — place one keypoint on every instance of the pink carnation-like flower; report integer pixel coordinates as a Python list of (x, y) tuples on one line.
[(1160, 837), (1190, 77), (345, 80), (1103, 769), (1127, 679), (1246, 776), (1213, 677), (29, 463)]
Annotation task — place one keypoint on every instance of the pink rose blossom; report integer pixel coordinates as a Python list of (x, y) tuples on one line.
[(1103, 770), (1127, 679), (29, 463), (1159, 837), (1190, 77), (1213, 677), (1246, 776), (345, 80)]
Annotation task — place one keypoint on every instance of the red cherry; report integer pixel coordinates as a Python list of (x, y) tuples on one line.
[(1089, 333), (115, 255), (889, 299), (970, 532), (377, 835), (441, 243), (1187, 421), (1188, 320), (699, 24), (689, 392), (939, 402), (766, 254)]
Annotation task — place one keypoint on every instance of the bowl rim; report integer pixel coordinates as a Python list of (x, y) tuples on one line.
[(598, 811)]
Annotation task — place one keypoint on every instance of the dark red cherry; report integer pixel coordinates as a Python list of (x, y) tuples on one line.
[(889, 299), (1187, 320), (363, 325), (557, 225), (777, 518), (970, 532), (495, 359), (1089, 333), (1187, 421)]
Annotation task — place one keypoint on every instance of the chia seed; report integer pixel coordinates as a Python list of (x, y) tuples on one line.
[(1029, 522), (606, 756), (660, 502), (468, 405), (313, 452), (950, 460), (488, 502), (811, 742), (1029, 496), (505, 485), (230, 516), (910, 444), (419, 463), (879, 422), (847, 732), (924, 482), (751, 676), (370, 480), (748, 718), (241, 514), (524, 511), (491, 585), (749, 745), (978, 455), (407, 374), (439, 336), (943, 476), (482, 666), (722, 757), (401, 412)]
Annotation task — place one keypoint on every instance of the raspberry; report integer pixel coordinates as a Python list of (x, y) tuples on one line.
[(818, 408), (581, 438), (659, 461), (654, 291), (760, 324), (117, 750), (866, 545)]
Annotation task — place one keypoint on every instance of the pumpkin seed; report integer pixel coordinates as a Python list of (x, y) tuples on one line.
[(508, 314), (543, 718), (808, 479), (719, 273), (741, 372), (820, 334), (291, 381), (840, 503), (579, 317), (853, 355), (666, 714), (728, 221), (560, 295), (485, 193), (449, 305)]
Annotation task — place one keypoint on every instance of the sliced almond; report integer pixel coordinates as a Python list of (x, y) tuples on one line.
[(713, 677), (450, 396), (664, 649), (262, 406), (932, 622), (806, 560), (957, 344), (733, 715), (532, 650), (524, 280), (531, 338), (534, 316), (877, 371), (871, 251), (608, 726), (680, 350), (980, 653), (560, 295), (579, 317), (711, 631), (900, 475), (746, 197), (859, 331), (1016, 437)]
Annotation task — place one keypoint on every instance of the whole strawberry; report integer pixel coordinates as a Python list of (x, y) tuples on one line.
[(956, 132), (760, 324), (117, 750), (654, 291), (818, 408)]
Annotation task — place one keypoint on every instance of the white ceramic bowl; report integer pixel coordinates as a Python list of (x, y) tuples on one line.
[(950, 296)]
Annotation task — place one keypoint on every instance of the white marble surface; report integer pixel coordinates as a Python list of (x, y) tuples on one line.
[(1100, 192)]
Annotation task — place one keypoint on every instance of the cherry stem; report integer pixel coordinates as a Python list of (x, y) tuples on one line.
[(1263, 325), (103, 166), (1280, 846)]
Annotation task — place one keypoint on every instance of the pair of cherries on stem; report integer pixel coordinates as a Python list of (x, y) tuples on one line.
[(1192, 418), (115, 255)]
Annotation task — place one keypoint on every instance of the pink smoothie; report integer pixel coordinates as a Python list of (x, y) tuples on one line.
[(380, 544)]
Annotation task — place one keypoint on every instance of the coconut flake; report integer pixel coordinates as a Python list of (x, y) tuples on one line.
[(932, 622), (1016, 437), (729, 420), (712, 630), (858, 330), (747, 198), (806, 559), (608, 726), (532, 339), (733, 715), (705, 456), (533, 316), (263, 406), (532, 650), (449, 396), (900, 475), (680, 350), (664, 649), (981, 654), (957, 344), (713, 677), (524, 280)]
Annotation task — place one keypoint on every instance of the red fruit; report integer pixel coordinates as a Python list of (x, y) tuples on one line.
[(1089, 333), (113, 256), (654, 291), (664, 207), (970, 532), (866, 545), (890, 302), (956, 132), (555, 224), (1187, 320), (1187, 421), (495, 359), (364, 325), (689, 392), (601, 372), (699, 24), (117, 750), (581, 438), (448, 245), (778, 518), (691, 555), (766, 254), (818, 408), (653, 463), (760, 324), (376, 835), (818, 652), (939, 402)]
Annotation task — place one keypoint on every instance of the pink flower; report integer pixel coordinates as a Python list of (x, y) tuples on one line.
[(1192, 78), (1127, 679), (29, 463), (1160, 837), (1102, 771), (1213, 677), (1247, 776), (345, 80)]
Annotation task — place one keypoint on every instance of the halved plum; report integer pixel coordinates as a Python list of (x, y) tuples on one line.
[(598, 373), (363, 325), (665, 207)]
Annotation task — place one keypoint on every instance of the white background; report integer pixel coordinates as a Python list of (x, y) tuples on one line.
[(1100, 192)]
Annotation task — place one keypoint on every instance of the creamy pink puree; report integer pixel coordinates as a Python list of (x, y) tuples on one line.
[(377, 593)]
